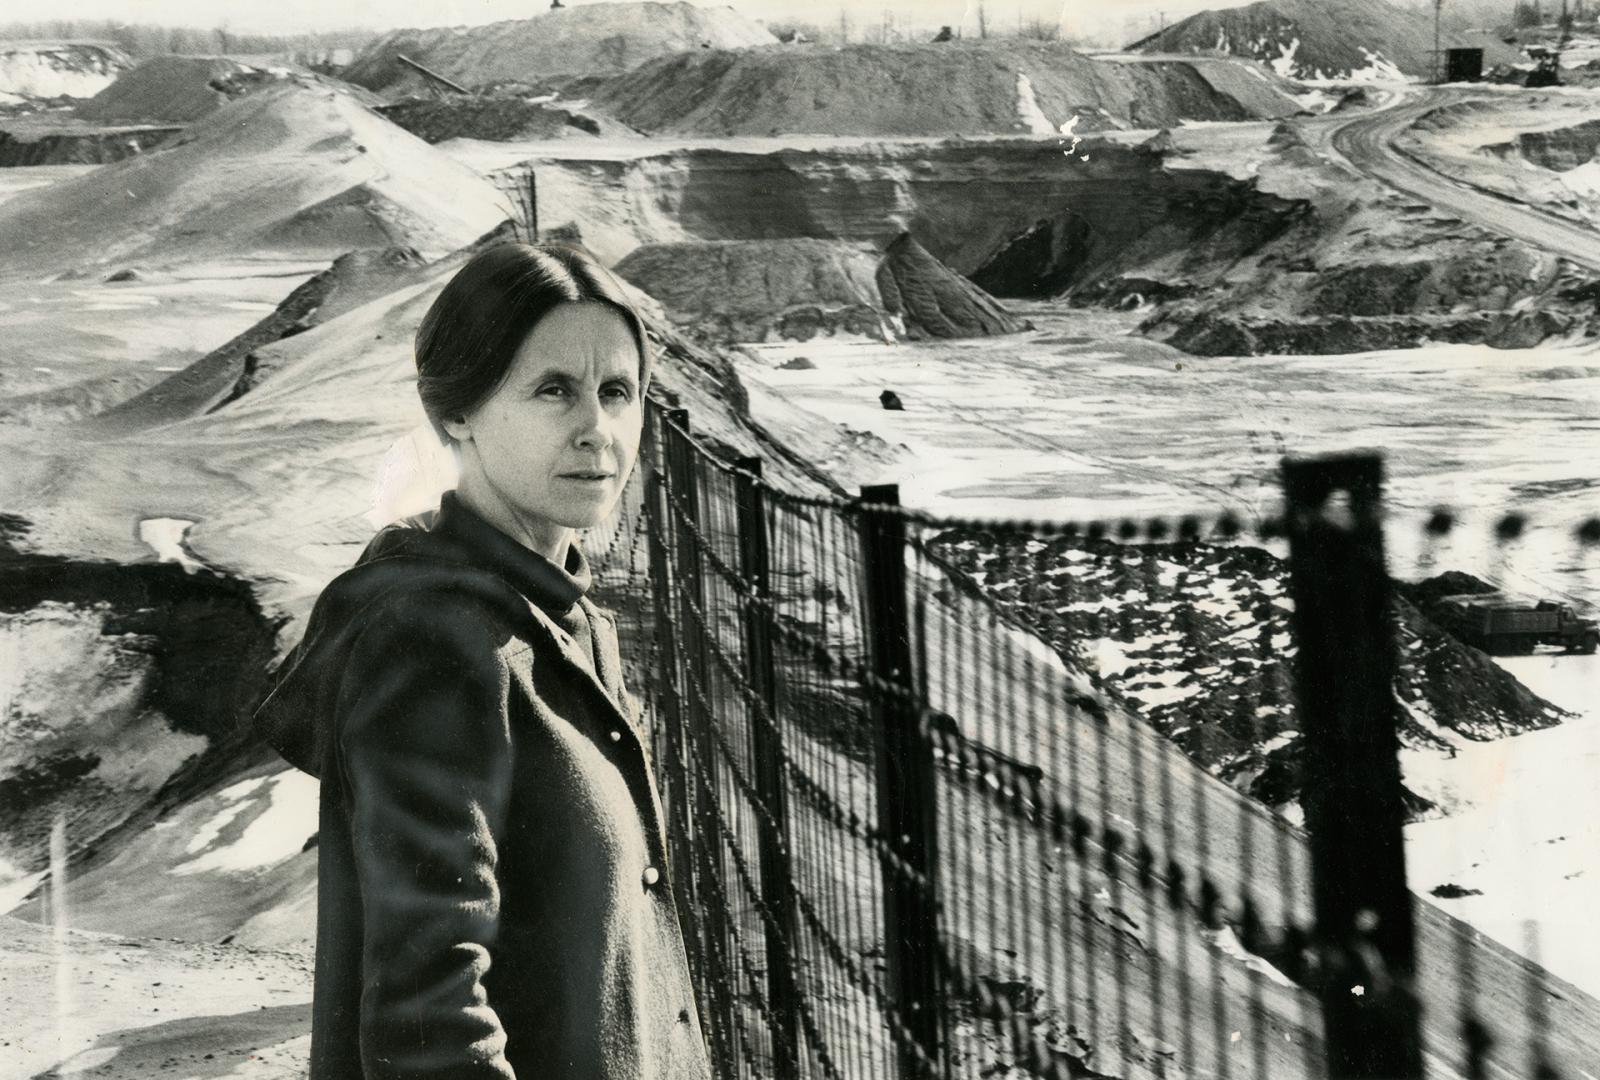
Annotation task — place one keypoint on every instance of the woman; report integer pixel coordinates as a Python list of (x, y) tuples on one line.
[(493, 898)]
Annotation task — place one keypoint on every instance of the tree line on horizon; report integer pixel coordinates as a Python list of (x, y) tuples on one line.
[(143, 40)]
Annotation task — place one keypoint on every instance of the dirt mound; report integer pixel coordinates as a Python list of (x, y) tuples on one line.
[(50, 69), (181, 89), (1561, 149), (233, 369), (588, 40), (800, 288), (1425, 594), (1197, 637), (934, 301), (1220, 334), (497, 118), (969, 88), (290, 172), (1322, 39), (758, 290)]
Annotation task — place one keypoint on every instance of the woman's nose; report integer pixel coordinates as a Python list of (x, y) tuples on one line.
[(592, 426)]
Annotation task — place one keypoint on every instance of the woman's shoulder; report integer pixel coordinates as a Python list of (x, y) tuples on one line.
[(403, 595)]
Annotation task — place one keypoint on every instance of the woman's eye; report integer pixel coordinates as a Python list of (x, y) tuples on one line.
[(617, 392), (552, 390)]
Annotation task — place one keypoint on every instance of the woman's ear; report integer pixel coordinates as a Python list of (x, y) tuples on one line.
[(457, 428)]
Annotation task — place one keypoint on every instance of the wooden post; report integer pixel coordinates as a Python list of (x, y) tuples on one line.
[(1345, 670), (683, 510), (907, 812), (777, 884)]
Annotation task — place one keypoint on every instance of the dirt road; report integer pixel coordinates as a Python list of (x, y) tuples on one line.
[(1367, 143)]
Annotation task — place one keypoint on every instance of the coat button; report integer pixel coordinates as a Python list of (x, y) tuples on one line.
[(616, 736), (651, 876)]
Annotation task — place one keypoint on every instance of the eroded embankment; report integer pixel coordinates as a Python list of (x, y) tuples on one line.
[(1238, 242), (1292, 255), (73, 147), (126, 688), (1020, 217)]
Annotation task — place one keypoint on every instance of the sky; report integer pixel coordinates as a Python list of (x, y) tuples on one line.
[(289, 16)]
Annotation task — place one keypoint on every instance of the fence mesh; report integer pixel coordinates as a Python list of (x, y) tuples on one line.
[(998, 799)]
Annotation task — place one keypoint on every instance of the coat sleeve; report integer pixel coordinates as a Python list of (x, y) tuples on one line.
[(425, 746)]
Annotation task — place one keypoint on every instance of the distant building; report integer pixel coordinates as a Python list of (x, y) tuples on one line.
[(1463, 65)]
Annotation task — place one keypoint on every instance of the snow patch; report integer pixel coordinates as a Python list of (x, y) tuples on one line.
[(278, 832), (1284, 63), (165, 535), (1029, 115), (1228, 944)]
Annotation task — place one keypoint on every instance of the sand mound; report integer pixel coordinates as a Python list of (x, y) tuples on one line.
[(967, 88), (497, 118), (800, 288), (1312, 39), (289, 172), (757, 290), (934, 301), (48, 69), (587, 40), (181, 89), (235, 368)]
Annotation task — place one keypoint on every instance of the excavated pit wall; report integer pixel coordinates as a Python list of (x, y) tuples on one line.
[(79, 147), (126, 688), (1019, 217), (1291, 258)]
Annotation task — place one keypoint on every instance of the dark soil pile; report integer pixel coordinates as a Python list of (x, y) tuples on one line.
[(69, 146), (1196, 638), (1205, 334), (1321, 38), (966, 88), (496, 118), (936, 302), (1561, 150), (592, 39)]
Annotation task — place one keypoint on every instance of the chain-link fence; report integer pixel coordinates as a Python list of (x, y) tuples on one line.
[(968, 798)]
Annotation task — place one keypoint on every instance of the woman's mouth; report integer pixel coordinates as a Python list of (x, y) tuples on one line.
[(590, 477)]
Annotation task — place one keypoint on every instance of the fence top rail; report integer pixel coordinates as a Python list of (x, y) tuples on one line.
[(1225, 525)]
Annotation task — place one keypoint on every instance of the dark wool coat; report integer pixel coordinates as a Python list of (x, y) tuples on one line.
[(493, 894)]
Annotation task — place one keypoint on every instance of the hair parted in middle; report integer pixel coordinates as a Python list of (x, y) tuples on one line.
[(471, 334)]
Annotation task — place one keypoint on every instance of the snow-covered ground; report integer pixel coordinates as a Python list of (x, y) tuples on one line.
[(1525, 851), (1059, 424), (1055, 424)]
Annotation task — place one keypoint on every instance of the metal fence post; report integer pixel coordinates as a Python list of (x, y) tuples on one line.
[(777, 885), (907, 812), (669, 705), (1345, 671), (684, 495)]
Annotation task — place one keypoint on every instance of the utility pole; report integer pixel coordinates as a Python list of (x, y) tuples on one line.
[(1438, 57)]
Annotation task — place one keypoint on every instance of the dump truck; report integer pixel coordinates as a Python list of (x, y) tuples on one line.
[(1500, 624)]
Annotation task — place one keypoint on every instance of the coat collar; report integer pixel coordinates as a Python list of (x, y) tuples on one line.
[(553, 588)]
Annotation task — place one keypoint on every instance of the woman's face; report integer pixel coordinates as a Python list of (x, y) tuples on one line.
[(556, 442)]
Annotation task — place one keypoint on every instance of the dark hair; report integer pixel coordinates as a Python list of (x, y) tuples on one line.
[(469, 336)]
